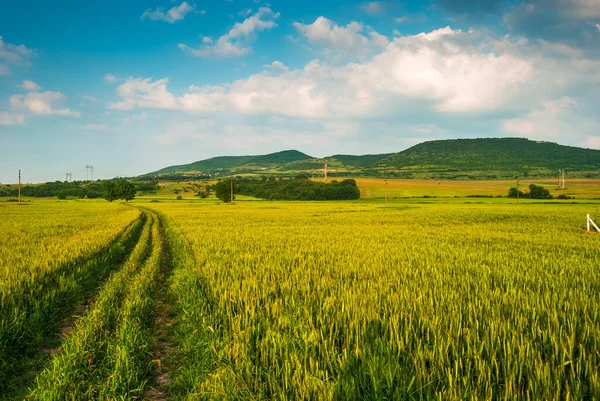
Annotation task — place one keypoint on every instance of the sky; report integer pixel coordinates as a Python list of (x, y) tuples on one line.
[(132, 86)]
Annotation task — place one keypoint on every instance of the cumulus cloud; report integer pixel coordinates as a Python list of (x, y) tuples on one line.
[(138, 92), (176, 13), (30, 85), (236, 42), (336, 40), (42, 103), (592, 142), (110, 79), (8, 118), (555, 118), (12, 54), (445, 74)]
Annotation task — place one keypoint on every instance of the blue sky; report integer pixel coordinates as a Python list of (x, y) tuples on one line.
[(131, 87)]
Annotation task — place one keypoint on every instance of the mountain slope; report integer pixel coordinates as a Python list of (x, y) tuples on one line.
[(500, 155), (485, 158), (286, 156), (361, 161)]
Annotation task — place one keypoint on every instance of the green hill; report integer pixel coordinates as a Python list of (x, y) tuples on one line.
[(485, 158), (360, 161), (286, 156), (492, 158)]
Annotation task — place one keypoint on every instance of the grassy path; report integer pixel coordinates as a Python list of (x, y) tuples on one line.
[(108, 355), (159, 385), (30, 317)]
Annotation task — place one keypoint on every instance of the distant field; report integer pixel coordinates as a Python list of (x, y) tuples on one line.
[(375, 188), (372, 188)]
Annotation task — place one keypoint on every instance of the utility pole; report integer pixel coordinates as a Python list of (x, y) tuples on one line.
[(558, 179), (518, 183), (19, 187), (325, 170), (386, 192), (231, 186), (563, 179)]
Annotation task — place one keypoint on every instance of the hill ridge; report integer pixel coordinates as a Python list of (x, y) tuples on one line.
[(461, 158)]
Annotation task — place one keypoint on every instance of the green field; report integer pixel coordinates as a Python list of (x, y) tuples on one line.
[(439, 298)]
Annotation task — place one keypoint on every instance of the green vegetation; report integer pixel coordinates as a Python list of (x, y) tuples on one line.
[(225, 190), (70, 190), (300, 188), (483, 159), (360, 161), (453, 299), (107, 355), (358, 301), (118, 189), (491, 158), (535, 192), (50, 258)]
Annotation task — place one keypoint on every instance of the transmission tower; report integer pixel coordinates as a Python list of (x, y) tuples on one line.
[(89, 168), (69, 177)]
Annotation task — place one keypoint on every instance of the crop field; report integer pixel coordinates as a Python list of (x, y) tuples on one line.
[(195, 300)]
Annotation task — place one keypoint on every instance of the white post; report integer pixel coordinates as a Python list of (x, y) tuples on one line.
[(588, 223)]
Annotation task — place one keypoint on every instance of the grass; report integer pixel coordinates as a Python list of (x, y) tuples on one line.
[(363, 301), (437, 298)]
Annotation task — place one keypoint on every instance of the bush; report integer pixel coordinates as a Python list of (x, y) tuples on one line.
[(179, 197)]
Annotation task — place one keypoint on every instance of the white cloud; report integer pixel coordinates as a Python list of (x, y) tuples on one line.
[(94, 127), (592, 142), (12, 54), (138, 92), (176, 13), (414, 79), (236, 42), (8, 118), (337, 39), (110, 79), (401, 20), (554, 119), (433, 67), (42, 103), (598, 27), (30, 85), (374, 7)]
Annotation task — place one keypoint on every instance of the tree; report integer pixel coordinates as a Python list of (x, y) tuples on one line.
[(110, 191), (62, 195), (539, 192), (118, 189), (125, 190), (223, 190), (512, 193)]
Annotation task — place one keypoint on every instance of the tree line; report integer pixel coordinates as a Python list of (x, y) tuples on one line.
[(298, 188)]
